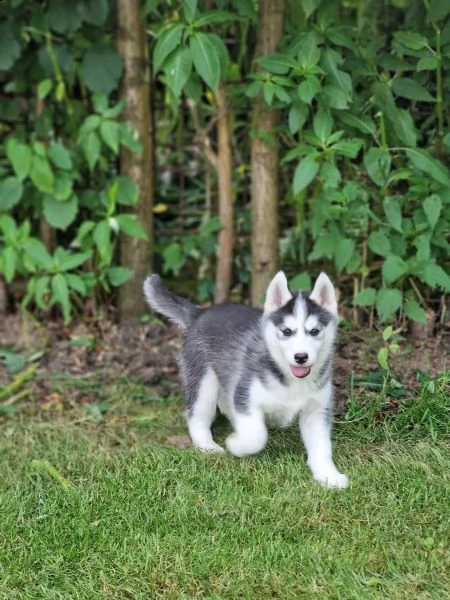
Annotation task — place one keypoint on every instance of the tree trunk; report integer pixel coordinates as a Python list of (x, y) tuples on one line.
[(264, 164), (136, 254), (225, 183)]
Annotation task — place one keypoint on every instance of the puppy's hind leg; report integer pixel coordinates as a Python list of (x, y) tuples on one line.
[(202, 396)]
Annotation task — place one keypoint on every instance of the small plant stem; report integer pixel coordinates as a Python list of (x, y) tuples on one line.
[(417, 292), (18, 382), (439, 94)]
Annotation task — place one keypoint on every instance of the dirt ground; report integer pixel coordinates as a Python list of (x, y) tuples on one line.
[(146, 352)]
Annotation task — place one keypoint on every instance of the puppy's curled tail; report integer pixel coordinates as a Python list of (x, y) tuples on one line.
[(178, 309)]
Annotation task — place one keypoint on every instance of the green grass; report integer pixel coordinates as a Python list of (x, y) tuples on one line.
[(147, 521)]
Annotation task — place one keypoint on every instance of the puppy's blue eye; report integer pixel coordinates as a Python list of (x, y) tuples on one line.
[(286, 332), (314, 332)]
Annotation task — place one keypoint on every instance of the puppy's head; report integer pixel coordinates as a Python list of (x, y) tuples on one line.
[(298, 326)]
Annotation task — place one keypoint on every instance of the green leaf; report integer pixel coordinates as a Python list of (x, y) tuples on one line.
[(62, 188), (9, 47), (437, 10), (414, 311), (310, 7), (302, 281), (309, 54), (336, 98), (76, 283), (277, 64), (60, 294), (96, 11), (19, 156), (411, 40), (129, 138), (365, 297), (432, 207), (38, 253), (427, 63), (60, 156), (9, 257), (204, 56), (127, 191), (298, 114), (41, 291), (308, 89), (378, 164), (348, 148), (435, 276), (67, 262), (423, 161), (169, 39), (382, 357), (379, 243), (393, 268), (344, 252), (410, 89), (404, 127), (63, 17), (131, 226), (322, 125), (178, 69), (393, 211), (339, 78), (331, 175), (388, 301), (91, 147), (101, 68), (60, 214), (361, 123), (41, 174), (215, 16), (119, 275), (11, 190), (110, 134), (304, 173), (101, 236)]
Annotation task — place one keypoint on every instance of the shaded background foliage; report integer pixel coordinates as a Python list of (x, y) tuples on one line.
[(360, 92)]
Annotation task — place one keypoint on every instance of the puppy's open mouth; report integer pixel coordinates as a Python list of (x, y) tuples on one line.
[(299, 372)]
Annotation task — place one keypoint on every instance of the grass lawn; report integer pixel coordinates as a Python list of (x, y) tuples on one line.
[(124, 515)]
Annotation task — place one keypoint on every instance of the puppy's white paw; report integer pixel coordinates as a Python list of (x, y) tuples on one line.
[(241, 446), (332, 479), (211, 447)]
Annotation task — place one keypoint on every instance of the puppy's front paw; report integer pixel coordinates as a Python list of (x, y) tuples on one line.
[(332, 479)]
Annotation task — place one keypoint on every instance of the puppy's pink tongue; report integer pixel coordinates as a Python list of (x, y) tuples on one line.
[(299, 371)]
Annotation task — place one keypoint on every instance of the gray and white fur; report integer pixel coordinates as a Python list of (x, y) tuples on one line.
[(259, 367)]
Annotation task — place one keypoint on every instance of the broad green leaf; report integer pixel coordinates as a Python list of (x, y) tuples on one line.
[(102, 235), (9, 227), (340, 79), (60, 294), (331, 175), (190, 10), (298, 114), (437, 10), (336, 98), (38, 253), (110, 134), (309, 7), (9, 47), (393, 268), (169, 39), (411, 40), (19, 156), (76, 283), (344, 252), (127, 191), (96, 11), (278, 64), (119, 275), (422, 243), (309, 54), (173, 258), (378, 164), (90, 124), (322, 125), (410, 89), (60, 214), (348, 148), (393, 211), (365, 297), (423, 161), (325, 245), (41, 174), (435, 276), (178, 69), (302, 281), (388, 301), (404, 127), (72, 261), (101, 68), (9, 262), (305, 172), (361, 123), (131, 226), (62, 188), (65, 17), (129, 138), (91, 148), (60, 156), (205, 59), (427, 63), (308, 89), (11, 190), (379, 243), (382, 357), (215, 16), (432, 207), (414, 311)]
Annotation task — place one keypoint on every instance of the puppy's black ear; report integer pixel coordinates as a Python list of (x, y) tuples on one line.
[(324, 293), (277, 293)]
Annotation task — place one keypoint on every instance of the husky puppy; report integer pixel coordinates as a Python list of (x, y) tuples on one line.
[(258, 367)]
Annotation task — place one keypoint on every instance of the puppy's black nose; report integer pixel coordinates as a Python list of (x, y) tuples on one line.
[(301, 358)]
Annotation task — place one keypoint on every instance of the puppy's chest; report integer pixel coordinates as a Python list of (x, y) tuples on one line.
[(281, 404)]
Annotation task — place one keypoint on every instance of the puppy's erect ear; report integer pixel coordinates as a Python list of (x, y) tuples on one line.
[(323, 293), (277, 293)]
